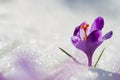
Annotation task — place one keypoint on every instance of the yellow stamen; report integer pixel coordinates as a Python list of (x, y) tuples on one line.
[(84, 27)]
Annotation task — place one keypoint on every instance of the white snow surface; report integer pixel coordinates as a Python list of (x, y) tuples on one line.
[(42, 26)]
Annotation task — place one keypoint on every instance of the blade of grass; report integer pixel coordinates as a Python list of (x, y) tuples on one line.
[(99, 58), (68, 54)]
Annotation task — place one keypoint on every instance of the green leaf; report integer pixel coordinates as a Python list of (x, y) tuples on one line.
[(68, 54), (99, 58)]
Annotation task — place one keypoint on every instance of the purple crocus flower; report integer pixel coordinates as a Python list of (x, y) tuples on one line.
[(88, 39)]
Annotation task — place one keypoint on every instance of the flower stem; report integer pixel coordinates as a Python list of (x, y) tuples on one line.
[(99, 58), (89, 61), (68, 54)]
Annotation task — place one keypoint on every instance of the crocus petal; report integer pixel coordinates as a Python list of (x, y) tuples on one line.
[(75, 40), (107, 35), (77, 30), (78, 43), (82, 34), (97, 24), (94, 40)]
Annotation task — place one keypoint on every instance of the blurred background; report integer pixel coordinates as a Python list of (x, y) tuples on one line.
[(45, 25)]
